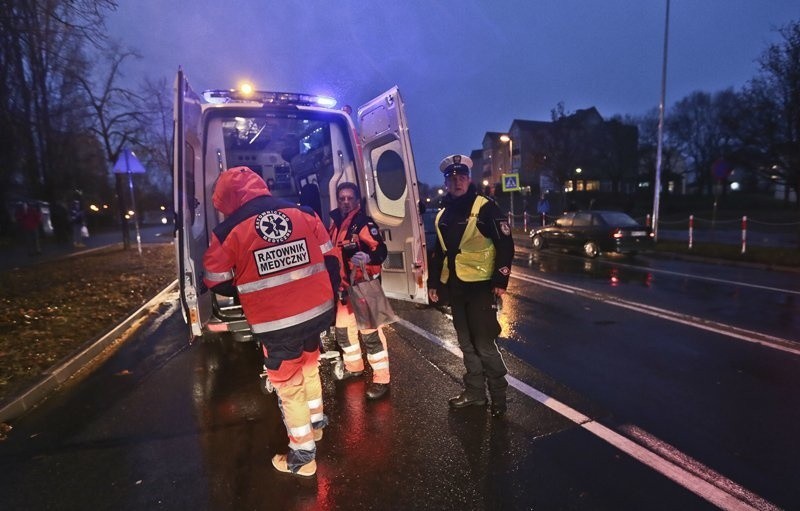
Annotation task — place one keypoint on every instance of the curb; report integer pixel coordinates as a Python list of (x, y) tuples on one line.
[(57, 375)]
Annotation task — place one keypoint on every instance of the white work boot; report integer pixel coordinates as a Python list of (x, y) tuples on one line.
[(307, 470)]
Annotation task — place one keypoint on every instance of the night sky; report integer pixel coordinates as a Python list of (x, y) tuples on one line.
[(464, 67)]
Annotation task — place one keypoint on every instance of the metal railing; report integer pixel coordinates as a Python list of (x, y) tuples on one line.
[(739, 231)]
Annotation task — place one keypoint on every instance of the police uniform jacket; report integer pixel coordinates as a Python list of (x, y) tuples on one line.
[(491, 223)]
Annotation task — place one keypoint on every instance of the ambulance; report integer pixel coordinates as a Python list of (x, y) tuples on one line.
[(303, 147)]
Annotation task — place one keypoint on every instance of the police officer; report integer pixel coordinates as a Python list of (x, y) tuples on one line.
[(471, 263), (359, 245), (277, 257)]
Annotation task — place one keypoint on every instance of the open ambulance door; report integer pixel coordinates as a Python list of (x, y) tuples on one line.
[(392, 195), (191, 234)]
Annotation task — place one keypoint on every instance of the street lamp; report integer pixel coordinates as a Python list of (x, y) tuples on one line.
[(506, 138), (657, 180)]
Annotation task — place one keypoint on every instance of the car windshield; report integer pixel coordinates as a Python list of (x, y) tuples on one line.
[(618, 219)]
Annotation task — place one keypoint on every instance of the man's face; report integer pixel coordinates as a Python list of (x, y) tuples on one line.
[(457, 184), (346, 200)]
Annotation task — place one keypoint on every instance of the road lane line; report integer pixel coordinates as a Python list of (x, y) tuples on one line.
[(647, 269), (766, 340), (712, 491), (682, 459), (710, 279)]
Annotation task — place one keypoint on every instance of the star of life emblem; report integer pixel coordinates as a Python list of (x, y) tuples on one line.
[(273, 226)]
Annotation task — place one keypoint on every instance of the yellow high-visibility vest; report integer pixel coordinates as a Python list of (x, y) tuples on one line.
[(475, 259)]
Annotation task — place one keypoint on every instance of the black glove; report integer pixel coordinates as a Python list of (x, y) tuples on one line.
[(342, 296)]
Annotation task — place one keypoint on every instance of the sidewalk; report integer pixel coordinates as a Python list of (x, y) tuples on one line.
[(16, 255)]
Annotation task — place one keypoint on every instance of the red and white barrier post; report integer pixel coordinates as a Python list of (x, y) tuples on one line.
[(744, 234), (524, 221), (691, 230)]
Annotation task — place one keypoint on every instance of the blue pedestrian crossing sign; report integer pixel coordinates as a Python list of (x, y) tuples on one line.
[(511, 183)]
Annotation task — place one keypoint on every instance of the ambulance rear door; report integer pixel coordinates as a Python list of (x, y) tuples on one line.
[(392, 195), (191, 232)]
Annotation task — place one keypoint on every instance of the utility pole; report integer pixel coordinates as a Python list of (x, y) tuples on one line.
[(659, 151)]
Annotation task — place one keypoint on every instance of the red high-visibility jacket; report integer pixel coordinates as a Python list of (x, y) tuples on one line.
[(360, 231), (272, 250)]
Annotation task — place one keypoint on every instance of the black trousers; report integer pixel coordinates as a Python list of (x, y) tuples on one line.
[(477, 329)]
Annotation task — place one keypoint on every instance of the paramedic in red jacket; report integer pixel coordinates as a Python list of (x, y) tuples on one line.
[(358, 242), (279, 259)]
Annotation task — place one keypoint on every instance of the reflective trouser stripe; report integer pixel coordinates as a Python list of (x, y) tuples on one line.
[(352, 353), (300, 430), (347, 338), (315, 408), (377, 354), (298, 386)]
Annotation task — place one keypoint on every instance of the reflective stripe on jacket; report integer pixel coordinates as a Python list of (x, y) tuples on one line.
[(474, 261), (362, 231), (274, 252)]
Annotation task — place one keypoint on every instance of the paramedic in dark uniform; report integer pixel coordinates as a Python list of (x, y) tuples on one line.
[(278, 259), (471, 264)]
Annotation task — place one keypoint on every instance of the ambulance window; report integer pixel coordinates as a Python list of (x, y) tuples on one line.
[(391, 187), (391, 175), (314, 140)]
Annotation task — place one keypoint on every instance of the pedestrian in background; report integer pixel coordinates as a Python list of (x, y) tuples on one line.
[(61, 224), (361, 249), (277, 257), (78, 221), (29, 219), (471, 264)]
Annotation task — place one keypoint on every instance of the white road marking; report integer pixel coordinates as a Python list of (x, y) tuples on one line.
[(682, 469), (647, 269), (766, 340), (710, 279)]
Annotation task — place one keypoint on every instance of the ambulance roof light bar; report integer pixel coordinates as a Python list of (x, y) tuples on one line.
[(218, 96)]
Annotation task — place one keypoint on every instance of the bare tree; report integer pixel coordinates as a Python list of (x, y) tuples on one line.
[(618, 152), (695, 127), (117, 119), (671, 166), (42, 47), (156, 148), (773, 97)]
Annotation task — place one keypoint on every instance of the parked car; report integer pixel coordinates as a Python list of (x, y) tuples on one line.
[(593, 232), (429, 224)]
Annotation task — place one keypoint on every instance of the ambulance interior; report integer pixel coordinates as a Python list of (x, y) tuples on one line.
[(302, 159), (301, 156)]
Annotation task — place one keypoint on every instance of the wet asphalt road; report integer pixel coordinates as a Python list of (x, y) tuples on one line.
[(163, 425), (166, 425)]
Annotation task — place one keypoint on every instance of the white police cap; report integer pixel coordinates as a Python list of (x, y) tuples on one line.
[(456, 164)]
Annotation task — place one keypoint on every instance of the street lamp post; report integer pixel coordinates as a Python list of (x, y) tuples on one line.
[(657, 181), (506, 138)]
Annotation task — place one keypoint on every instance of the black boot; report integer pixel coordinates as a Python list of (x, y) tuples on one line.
[(465, 399), (499, 408), (377, 390)]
